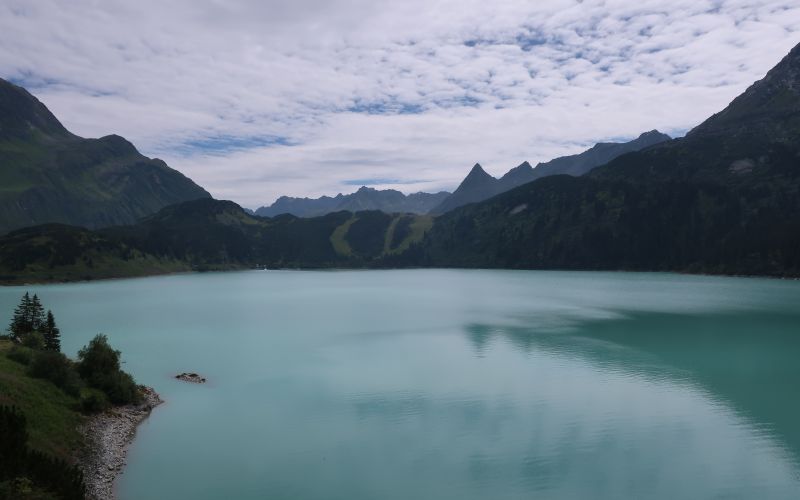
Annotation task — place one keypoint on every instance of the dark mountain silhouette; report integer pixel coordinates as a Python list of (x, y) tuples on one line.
[(723, 199), (483, 186)]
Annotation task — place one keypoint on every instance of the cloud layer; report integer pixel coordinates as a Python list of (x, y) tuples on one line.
[(254, 99)]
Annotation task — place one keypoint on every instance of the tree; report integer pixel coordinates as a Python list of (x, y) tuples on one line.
[(99, 367), (52, 334), (37, 314), (21, 321)]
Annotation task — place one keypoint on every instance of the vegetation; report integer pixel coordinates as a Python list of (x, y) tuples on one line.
[(202, 235), (43, 395), (26, 473), (99, 367), (49, 175)]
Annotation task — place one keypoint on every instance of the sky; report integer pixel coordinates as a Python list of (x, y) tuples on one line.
[(254, 99)]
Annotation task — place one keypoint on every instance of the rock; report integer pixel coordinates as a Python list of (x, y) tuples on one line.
[(107, 436), (191, 377)]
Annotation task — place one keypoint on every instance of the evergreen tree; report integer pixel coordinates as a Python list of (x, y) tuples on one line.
[(37, 314), (52, 334), (21, 322)]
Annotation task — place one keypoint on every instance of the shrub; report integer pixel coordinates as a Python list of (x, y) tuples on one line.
[(20, 354), (33, 340), (94, 401), (56, 368), (99, 366)]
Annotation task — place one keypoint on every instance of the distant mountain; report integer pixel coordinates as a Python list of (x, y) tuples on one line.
[(206, 234), (724, 199), (48, 174), (476, 186), (479, 185), (599, 154), (386, 200)]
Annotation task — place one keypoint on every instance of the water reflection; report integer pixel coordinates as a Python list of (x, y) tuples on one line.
[(748, 362)]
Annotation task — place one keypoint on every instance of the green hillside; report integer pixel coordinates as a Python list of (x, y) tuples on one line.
[(205, 234), (50, 175)]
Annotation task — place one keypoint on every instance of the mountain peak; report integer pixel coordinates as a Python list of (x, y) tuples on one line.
[(477, 168), (22, 115), (654, 134), (770, 108), (521, 167), (477, 173)]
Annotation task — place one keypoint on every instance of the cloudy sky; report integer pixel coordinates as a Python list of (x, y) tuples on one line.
[(258, 98)]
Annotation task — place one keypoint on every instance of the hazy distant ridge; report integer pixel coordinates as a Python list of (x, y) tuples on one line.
[(385, 200)]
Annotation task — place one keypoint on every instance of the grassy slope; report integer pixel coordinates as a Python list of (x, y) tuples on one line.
[(52, 417), (339, 238)]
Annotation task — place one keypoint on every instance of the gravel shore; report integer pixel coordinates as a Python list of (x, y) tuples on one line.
[(108, 436)]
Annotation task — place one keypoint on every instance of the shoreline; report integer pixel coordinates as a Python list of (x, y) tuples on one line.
[(34, 282), (108, 436)]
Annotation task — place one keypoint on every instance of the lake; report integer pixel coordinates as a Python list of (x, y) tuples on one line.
[(452, 384)]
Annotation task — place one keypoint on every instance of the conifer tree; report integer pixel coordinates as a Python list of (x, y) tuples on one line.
[(37, 314), (52, 334), (21, 322)]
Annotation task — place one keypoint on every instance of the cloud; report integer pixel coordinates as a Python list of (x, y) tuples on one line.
[(255, 99)]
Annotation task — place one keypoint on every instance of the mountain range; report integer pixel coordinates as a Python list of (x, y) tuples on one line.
[(386, 200), (724, 199), (479, 185), (48, 174)]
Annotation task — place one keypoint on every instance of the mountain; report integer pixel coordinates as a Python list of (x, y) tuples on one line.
[(769, 108), (476, 186), (48, 174), (482, 186), (301, 207), (206, 234), (599, 154), (386, 200), (724, 199)]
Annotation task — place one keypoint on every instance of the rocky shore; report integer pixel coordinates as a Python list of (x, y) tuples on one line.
[(108, 436)]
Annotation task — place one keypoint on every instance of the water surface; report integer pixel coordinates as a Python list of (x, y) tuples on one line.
[(452, 384)]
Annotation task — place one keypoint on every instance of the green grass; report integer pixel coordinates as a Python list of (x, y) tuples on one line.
[(387, 240), (339, 238), (421, 225), (53, 417)]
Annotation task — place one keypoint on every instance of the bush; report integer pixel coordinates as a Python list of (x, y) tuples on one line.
[(56, 368), (99, 366), (33, 340), (20, 354), (94, 401)]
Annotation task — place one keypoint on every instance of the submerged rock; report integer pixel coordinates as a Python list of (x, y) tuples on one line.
[(191, 377)]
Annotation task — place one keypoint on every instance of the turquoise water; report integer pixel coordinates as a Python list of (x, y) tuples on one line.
[(451, 384)]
